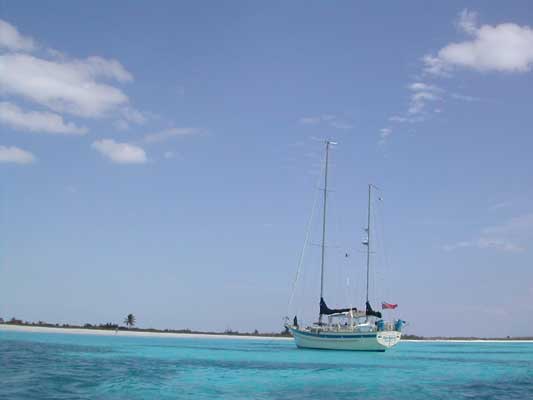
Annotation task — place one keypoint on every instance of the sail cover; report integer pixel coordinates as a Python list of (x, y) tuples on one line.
[(325, 310), (369, 311)]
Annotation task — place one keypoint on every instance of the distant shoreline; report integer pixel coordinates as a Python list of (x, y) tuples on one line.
[(133, 333), (214, 335), (470, 340)]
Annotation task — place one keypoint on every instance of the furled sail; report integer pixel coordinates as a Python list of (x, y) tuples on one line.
[(369, 311), (325, 310)]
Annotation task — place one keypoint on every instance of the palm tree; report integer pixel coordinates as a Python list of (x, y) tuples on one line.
[(129, 320)]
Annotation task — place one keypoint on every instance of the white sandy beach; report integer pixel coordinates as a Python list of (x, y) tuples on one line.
[(80, 331)]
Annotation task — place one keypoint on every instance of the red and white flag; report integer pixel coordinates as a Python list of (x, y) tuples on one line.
[(388, 306)]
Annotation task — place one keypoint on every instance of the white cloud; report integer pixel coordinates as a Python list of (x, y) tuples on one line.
[(11, 39), (64, 86), (37, 121), (167, 134), (15, 155), (505, 47), (169, 154), (121, 153)]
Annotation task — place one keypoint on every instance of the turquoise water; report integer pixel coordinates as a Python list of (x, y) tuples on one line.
[(69, 366)]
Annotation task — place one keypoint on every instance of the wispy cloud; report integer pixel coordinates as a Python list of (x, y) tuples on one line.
[(467, 21), (11, 39), (120, 153), (422, 93), (384, 133), (121, 125), (508, 236), (170, 133), (331, 120), (310, 120), (169, 154), (500, 205), (463, 97), (485, 243), (37, 121), (12, 154), (340, 124), (516, 225), (129, 116)]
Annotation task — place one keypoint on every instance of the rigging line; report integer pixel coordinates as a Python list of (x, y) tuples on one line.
[(307, 235), (378, 272), (383, 270), (384, 247), (342, 269)]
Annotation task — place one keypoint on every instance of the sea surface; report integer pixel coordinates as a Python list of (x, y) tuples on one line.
[(74, 366)]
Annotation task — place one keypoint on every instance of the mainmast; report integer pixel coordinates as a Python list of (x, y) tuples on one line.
[(328, 143)]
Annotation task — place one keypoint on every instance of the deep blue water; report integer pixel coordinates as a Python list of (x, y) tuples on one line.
[(73, 366)]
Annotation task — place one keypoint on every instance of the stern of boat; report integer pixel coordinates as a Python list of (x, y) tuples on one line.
[(388, 339)]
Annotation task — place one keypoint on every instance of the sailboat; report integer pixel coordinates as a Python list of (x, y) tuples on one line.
[(346, 328)]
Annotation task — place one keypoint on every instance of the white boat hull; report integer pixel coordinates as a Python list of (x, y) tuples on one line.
[(356, 341)]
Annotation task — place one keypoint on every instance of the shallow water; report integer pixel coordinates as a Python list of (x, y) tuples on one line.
[(73, 366)]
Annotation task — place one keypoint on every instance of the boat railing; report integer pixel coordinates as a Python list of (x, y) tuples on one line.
[(385, 326)]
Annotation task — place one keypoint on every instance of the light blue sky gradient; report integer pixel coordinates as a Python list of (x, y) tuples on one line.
[(204, 231)]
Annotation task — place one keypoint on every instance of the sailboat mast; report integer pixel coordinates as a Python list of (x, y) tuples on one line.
[(324, 228), (368, 242)]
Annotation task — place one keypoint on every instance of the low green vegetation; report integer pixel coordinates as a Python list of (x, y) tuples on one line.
[(130, 322)]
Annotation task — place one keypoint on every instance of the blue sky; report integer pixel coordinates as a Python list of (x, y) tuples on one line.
[(162, 160)]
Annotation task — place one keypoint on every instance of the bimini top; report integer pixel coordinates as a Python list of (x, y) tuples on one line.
[(348, 314)]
